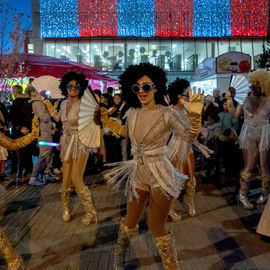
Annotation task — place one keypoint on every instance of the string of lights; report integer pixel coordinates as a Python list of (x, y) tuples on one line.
[(149, 18), (98, 18), (136, 18), (249, 17), (174, 18), (211, 18), (58, 19)]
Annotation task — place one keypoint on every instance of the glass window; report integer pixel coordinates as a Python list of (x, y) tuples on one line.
[(154, 52), (200, 48), (95, 55), (190, 56), (177, 55), (72, 50), (223, 46), (83, 52), (165, 58), (235, 45), (107, 56), (142, 49), (212, 48), (246, 45), (257, 49), (132, 53), (49, 49), (118, 56), (60, 50), (257, 46)]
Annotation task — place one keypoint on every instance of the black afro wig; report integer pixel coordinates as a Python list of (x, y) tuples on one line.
[(133, 73), (78, 77), (176, 88)]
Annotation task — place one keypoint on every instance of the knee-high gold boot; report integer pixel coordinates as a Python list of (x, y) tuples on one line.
[(189, 196), (65, 196), (265, 189), (90, 211), (167, 251), (244, 185), (121, 247), (14, 261)]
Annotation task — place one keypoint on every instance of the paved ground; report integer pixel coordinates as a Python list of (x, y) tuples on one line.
[(221, 236)]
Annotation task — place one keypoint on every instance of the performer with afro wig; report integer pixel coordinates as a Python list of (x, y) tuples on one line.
[(178, 92), (74, 154), (151, 177), (254, 138)]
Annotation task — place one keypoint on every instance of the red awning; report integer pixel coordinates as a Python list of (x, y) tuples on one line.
[(38, 65)]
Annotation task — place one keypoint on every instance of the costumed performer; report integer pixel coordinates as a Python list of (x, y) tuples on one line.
[(150, 175), (178, 92), (74, 154), (254, 138)]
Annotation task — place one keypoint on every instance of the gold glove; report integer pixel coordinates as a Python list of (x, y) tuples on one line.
[(10, 144), (230, 104), (49, 106), (116, 128), (195, 112)]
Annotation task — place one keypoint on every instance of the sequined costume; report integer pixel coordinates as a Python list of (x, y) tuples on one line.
[(74, 156), (150, 168), (184, 160), (256, 127), (254, 139)]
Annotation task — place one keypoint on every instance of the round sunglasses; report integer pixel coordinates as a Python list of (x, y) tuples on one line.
[(76, 87), (146, 87)]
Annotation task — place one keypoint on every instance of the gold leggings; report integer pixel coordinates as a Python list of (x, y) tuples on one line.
[(73, 170), (159, 208)]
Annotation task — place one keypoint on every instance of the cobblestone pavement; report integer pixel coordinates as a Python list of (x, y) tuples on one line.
[(221, 236)]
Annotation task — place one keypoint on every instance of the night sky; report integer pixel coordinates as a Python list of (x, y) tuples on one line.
[(19, 6)]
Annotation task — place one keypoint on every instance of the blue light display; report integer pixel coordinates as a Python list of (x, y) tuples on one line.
[(136, 18), (211, 18), (59, 18)]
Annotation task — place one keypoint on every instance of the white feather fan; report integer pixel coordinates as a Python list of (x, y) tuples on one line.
[(48, 83), (241, 85), (89, 132)]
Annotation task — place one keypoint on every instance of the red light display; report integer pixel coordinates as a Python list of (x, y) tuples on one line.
[(174, 18), (249, 17), (97, 18)]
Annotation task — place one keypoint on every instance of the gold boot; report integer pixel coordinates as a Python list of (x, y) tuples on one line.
[(14, 261), (173, 216), (167, 251), (244, 185), (265, 189), (120, 250), (90, 211), (65, 196), (189, 197)]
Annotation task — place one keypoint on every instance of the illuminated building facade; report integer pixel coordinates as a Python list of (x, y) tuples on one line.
[(176, 35)]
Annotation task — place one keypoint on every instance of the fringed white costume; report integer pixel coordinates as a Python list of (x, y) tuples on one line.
[(150, 167)]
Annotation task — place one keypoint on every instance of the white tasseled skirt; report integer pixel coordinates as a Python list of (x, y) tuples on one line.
[(255, 133), (156, 172)]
